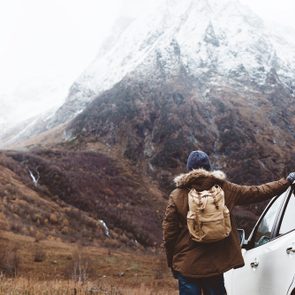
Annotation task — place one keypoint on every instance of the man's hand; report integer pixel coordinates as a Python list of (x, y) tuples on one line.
[(291, 177)]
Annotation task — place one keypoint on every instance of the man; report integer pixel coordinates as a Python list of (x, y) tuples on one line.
[(200, 266)]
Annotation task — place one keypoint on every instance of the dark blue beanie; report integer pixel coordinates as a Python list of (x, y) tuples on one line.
[(198, 159)]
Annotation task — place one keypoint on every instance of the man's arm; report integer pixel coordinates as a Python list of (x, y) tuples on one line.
[(170, 230), (243, 194)]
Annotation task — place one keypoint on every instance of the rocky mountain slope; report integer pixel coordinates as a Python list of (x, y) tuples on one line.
[(156, 128)]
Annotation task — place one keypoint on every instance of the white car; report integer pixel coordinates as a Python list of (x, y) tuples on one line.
[(269, 252)]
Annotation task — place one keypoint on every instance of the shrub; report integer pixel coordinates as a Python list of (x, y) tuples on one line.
[(16, 227), (39, 254), (53, 218), (81, 266), (9, 260)]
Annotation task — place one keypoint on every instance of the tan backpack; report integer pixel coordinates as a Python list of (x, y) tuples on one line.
[(208, 218)]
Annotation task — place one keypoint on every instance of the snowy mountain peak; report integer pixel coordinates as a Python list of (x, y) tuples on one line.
[(221, 42), (224, 35)]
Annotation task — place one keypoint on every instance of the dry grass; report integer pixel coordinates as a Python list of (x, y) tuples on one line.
[(55, 267), (25, 286)]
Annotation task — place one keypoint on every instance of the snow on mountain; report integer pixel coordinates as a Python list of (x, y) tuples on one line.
[(284, 44), (221, 41), (200, 35)]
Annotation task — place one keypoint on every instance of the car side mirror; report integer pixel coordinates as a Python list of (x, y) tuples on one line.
[(242, 236)]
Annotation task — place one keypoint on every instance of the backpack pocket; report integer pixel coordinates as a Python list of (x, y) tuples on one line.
[(213, 227), (195, 230)]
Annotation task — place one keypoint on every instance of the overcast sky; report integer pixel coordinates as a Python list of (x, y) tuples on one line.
[(46, 44)]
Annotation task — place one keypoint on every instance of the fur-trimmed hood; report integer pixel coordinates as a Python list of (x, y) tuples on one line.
[(187, 178)]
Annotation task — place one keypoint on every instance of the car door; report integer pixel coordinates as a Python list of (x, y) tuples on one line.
[(270, 260), (285, 231)]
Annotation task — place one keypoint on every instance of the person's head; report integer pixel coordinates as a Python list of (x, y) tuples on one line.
[(197, 160)]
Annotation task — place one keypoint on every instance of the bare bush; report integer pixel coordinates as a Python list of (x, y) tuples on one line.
[(81, 266), (9, 260), (39, 254), (16, 227), (160, 267), (53, 218)]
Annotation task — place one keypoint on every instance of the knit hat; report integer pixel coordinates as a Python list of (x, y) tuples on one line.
[(198, 159)]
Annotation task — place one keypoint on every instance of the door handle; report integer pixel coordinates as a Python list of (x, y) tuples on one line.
[(254, 264), (290, 250)]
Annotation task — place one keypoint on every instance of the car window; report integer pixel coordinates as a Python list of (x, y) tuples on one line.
[(288, 222), (263, 232)]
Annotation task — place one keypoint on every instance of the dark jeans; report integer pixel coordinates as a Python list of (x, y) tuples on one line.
[(210, 286)]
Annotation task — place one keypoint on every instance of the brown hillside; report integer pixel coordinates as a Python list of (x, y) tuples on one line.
[(75, 191)]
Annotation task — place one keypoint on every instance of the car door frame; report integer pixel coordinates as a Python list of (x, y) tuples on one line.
[(249, 243), (282, 213)]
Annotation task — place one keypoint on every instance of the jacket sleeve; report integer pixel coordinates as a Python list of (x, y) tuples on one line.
[(171, 230), (243, 194)]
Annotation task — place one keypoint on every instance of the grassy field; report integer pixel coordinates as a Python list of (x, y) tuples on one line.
[(25, 286), (54, 267)]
